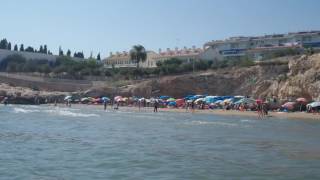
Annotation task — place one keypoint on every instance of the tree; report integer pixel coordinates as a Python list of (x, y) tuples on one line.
[(138, 54), (41, 49), (9, 46), (21, 47), (68, 53), (98, 57), (29, 49), (78, 55), (15, 48), (60, 52), (45, 49), (4, 44)]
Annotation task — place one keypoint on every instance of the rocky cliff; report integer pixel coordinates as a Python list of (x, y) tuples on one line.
[(286, 78)]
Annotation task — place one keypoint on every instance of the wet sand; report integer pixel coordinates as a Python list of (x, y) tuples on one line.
[(280, 115)]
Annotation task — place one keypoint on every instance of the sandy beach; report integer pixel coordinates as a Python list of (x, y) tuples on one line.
[(251, 114)]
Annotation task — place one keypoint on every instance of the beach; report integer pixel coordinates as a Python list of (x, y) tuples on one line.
[(220, 112)]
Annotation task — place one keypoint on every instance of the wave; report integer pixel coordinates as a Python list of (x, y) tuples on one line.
[(21, 110), (70, 113), (212, 123)]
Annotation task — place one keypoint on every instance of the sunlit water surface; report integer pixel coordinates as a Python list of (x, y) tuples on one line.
[(43, 142)]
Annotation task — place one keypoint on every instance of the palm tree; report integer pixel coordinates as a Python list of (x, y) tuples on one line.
[(138, 54)]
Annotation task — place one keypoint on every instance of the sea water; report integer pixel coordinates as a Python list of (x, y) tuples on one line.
[(86, 142)]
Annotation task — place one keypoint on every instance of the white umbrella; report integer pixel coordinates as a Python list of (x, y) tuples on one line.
[(67, 98), (198, 100), (314, 104)]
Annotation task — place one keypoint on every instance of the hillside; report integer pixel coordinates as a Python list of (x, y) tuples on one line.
[(287, 77), (299, 77)]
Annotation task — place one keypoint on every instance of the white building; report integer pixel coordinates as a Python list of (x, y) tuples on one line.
[(123, 59), (186, 54), (240, 46)]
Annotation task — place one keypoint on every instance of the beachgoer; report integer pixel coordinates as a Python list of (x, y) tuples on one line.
[(193, 106), (69, 102), (105, 104), (156, 104), (265, 109), (5, 101), (117, 106), (187, 104), (139, 104), (260, 110)]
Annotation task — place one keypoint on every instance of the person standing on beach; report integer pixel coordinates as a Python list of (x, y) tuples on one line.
[(5, 101), (156, 104), (193, 106), (69, 102), (105, 104), (139, 104)]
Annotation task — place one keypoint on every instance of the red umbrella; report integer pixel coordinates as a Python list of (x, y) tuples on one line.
[(180, 102), (302, 100), (259, 101), (289, 105)]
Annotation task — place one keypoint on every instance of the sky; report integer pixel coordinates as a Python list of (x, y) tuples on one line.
[(116, 25)]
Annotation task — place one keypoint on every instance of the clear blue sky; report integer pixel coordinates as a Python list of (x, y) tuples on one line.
[(105, 25)]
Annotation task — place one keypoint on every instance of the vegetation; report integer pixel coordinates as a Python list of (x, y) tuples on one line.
[(284, 52), (5, 44), (63, 64), (138, 54)]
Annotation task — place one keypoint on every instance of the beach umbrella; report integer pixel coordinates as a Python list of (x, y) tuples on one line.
[(67, 98), (180, 102), (259, 101), (164, 97), (302, 100), (246, 100), (189, 101), (289, 105), (239, 97), (142, 99), (219, 102), (97, 100), (171, 99), (228, 100), (172, 103), (314, 104), (84, 100), (200, 100), (117, 98), (105, 99)]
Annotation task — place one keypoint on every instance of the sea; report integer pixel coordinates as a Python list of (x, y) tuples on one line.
[(87, 142)]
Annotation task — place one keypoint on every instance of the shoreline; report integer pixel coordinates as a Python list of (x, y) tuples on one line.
[(220, 112)]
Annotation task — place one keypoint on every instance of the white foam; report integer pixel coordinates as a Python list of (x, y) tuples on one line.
[(212, 123), (62, 112), (21, 110)]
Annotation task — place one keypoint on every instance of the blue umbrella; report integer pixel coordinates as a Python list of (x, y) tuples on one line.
[(105, 99), (164, 97), (173, 103)]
